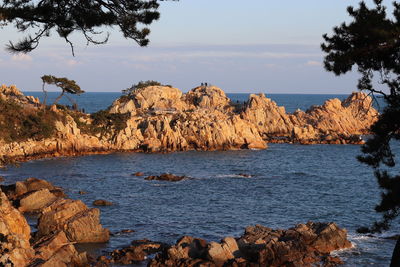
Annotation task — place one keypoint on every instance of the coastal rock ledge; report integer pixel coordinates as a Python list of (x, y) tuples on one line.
[(163, 119), (303, 245)]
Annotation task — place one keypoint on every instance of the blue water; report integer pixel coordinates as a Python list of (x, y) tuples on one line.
[(290, 184)]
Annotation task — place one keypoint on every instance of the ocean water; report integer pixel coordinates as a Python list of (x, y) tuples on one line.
[(289, 184)]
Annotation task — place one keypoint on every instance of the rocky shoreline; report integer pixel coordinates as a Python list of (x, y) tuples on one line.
[(63, 222), (163, 119)]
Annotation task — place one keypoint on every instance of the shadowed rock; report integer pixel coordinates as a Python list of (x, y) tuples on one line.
[(166, 177), (304, 245)]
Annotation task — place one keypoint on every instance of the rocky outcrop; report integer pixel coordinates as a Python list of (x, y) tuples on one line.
[(12, 93), (57, 250), (15, 249), (334, 122), (80, 224), (304, 245), (136, 252), (62, 223), (163, 119), (32, 195)]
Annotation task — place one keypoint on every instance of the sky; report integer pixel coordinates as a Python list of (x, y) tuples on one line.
[(240, 46)]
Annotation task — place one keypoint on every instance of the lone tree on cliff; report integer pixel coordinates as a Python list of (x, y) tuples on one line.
[(68, 16), (66, 86), (371, 42)]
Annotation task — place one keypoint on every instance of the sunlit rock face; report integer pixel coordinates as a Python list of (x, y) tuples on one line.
[(163, 119)]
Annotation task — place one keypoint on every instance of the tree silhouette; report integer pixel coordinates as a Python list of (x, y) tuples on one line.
[(371, 42), (68, 16), (66, 86)]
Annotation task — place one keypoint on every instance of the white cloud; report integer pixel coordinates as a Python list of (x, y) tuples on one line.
[(20, 57), (313, 63), (72, 62)]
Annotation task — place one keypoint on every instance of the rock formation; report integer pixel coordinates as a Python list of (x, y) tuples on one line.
[(304, 245), (14, 235), (62, 223), (163, 119)]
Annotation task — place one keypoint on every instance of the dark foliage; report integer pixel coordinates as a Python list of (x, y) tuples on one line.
[(19, 124), (66, 86), (139, 85), (105, 122), (67, 16), (371, 42)]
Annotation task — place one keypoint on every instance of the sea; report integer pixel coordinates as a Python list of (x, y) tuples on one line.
[(289, 184)]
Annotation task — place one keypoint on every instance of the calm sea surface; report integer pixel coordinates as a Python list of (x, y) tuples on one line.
[(290, 184)]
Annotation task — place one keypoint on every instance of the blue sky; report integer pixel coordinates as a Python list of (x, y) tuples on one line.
[(240, 46)]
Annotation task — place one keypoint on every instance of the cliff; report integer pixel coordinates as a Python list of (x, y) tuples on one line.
[(163, 119)]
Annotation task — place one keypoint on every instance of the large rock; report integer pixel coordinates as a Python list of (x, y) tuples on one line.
[(209, 97), (57, 250), (80, 224), (35, 201), (15, 248)]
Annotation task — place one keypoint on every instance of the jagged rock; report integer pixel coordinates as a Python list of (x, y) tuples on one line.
[(166, 177), (138, 251), (80, 224), (102, 202), (163, 119), (304, 245), (15, 248), (209, 97), (35, 201), (57, 250), (14, 191)]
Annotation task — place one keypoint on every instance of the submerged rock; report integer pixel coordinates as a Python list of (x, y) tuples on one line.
[(102, 202), (166, 177)]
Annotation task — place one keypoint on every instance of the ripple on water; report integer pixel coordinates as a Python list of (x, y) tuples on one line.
[(291, 184)]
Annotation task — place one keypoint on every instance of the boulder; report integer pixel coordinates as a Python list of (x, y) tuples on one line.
[(57, 250), (209, 97), (35, 201), (15, 249), (21, 188), (80, 224)]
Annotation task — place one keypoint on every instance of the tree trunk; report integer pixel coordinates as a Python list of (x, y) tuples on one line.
[(396, 255), (45, 96), (58, 98)]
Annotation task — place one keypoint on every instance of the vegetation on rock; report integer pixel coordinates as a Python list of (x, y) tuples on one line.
[(18, 123), (140, 85)]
